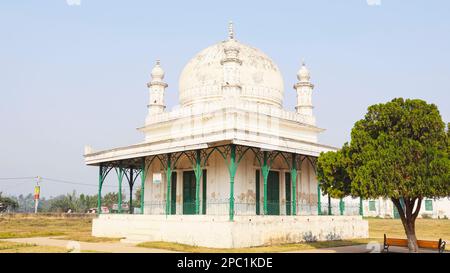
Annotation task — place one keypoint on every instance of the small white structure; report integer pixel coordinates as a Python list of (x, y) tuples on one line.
[(430, 208), (229, 167)]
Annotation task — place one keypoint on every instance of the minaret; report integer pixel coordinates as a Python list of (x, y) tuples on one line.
[(231, 66), (156, 89), (304, 92)]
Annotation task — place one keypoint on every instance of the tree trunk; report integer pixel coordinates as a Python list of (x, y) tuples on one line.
[(408, 218), (410, 231)]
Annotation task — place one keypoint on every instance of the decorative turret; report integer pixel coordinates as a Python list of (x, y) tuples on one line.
[(156, 88), (231, 66), (304, 92)]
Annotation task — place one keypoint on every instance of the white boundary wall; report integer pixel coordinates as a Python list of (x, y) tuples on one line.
[(218, 232)]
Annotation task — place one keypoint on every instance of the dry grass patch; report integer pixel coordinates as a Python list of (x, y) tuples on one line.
[(260, 249), (11, 247), (59, 227), (426, 229), (42, 226)]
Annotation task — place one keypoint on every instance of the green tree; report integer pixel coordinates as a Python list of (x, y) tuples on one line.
[(7, 203), (61, 203), (137, 198), (110, 199), (400, 150)]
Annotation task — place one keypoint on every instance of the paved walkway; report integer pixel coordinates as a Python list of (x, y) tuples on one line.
[(114, 247), (363, 248), (340, 249)]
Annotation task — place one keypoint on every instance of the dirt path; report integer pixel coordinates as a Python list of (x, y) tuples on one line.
[(115, 247), (118, 247)]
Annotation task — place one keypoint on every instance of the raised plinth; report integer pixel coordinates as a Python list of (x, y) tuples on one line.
[(218, 232)]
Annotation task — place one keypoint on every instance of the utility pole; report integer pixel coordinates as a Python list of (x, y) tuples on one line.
[(37, 191)]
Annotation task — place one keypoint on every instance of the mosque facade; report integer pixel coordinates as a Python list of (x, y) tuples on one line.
[(229, 167)]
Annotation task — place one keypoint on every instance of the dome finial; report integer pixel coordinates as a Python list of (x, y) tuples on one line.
[(230, 30), (157, 72), (303, 73)]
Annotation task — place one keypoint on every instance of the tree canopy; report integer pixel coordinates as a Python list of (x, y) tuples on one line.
[(399, 150), (7, 203)]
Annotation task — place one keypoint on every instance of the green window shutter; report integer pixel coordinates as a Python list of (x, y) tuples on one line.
[(372, 205), (173, 198), (204, 192), (429, 205)]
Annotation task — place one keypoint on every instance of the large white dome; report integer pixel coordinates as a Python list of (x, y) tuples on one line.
[(202, 78)]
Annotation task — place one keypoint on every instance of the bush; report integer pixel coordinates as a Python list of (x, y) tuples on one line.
[(426, 216)]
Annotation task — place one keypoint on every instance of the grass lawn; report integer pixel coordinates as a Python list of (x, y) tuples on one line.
[(260, 249), (426, 229), (9, 247), (68, 228)]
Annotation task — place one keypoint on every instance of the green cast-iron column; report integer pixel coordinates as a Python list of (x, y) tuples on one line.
[(294, 185), (198, 175), (329, 205), (99, 195), (232, 169), (341, 206), (169, 184), (130, 183), (360, 207), (120, 177), (143, 176), (265, 173), (319, 204)]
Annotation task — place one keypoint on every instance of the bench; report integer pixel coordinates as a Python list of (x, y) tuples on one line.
[(438, 245)]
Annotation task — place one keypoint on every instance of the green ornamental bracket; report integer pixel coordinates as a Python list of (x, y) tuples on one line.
[(265, 169), (102, 173), (120, 173), (319, 204), (144, 170), (292, 165), (195, 159), (294, 184), (266, 163), (169, 183), (232, 169), (329, 205), (131, 177), (361, 206), (313, 162), (235, 154), (198, 175)]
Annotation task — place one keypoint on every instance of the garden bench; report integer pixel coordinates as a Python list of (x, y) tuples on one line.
[(437, 245)]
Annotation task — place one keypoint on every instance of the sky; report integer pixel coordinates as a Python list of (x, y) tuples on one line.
[(74, 72)]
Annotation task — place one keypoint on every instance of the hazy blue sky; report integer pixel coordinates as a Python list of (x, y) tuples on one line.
[(72, 75)]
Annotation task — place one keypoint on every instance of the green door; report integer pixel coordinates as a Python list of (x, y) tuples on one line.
[(288, 193), (173, 197), (396, 213), (273, 193), (189, 192)]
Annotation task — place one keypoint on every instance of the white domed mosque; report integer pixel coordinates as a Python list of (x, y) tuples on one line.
[(229, 167)]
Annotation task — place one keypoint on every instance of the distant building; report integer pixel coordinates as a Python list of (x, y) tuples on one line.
[(230, 167), (384, 208)]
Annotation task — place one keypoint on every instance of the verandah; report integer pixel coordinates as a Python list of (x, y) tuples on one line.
[(232, 155)]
